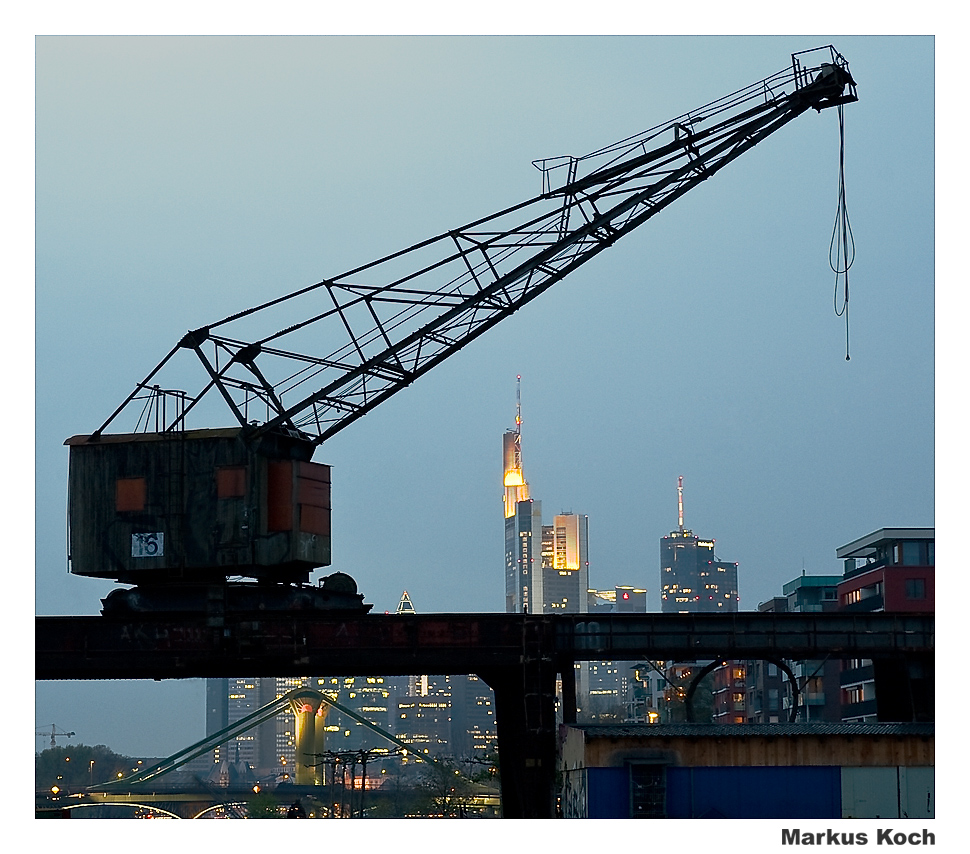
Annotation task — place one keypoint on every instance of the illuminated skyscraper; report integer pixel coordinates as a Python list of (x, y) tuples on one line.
[(616, 690), (564, 565), (264, 748), (523, 523), (516, 487), (692, 579), (546, 566)]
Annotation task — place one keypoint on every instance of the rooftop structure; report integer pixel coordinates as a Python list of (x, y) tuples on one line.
[(875, 546)]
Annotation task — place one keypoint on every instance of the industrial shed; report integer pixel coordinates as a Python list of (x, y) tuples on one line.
[(782, 771)]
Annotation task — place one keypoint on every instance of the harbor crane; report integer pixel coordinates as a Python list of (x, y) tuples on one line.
[(171, 508)]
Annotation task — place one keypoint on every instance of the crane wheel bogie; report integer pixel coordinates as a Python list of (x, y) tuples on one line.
[(235, 599)]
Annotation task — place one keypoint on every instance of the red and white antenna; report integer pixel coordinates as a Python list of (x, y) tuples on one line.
[(680, 502), (518, 404)]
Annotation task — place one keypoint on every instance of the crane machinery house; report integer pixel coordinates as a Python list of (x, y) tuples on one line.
[(197, 506)]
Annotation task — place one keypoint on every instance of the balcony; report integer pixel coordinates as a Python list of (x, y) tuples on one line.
[(870, 603), (866, 708), (865, 567), (857, 675)]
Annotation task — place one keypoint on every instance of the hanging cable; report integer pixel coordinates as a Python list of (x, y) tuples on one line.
[(842, 245)]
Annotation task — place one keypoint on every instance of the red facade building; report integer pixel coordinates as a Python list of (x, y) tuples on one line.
[(891, 569)]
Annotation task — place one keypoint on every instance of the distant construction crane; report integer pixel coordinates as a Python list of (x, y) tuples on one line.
[(55, 733)]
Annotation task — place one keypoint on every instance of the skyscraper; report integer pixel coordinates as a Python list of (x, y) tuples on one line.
[(516, 487), (565, 567), (546, 566), (523, 542), (616, 692), (405, 606), (692, 579), (228, 701), (523, 521)]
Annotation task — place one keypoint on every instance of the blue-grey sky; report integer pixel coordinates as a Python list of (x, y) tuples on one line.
[(181, 179)]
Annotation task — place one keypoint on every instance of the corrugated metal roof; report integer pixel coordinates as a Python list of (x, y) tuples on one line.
[(779, 730)]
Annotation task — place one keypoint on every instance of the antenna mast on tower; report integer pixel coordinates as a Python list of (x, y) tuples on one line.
[(680, 502)]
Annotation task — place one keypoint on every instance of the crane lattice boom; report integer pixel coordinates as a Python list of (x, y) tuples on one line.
[(392, 320)]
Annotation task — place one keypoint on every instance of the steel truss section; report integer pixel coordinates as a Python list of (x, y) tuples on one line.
[(394, 319)]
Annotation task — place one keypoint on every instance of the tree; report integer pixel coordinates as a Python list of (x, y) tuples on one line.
[(489, 771), (263, 805), (74, 768), (448, 790), (702, 702)]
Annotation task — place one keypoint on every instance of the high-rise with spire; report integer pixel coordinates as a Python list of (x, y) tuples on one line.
[(523, 523), (516, 486), (546, 566), (692, 579)]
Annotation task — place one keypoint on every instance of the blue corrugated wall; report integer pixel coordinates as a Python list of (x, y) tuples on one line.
[(726, 792), (758, 792), (607, 793)]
